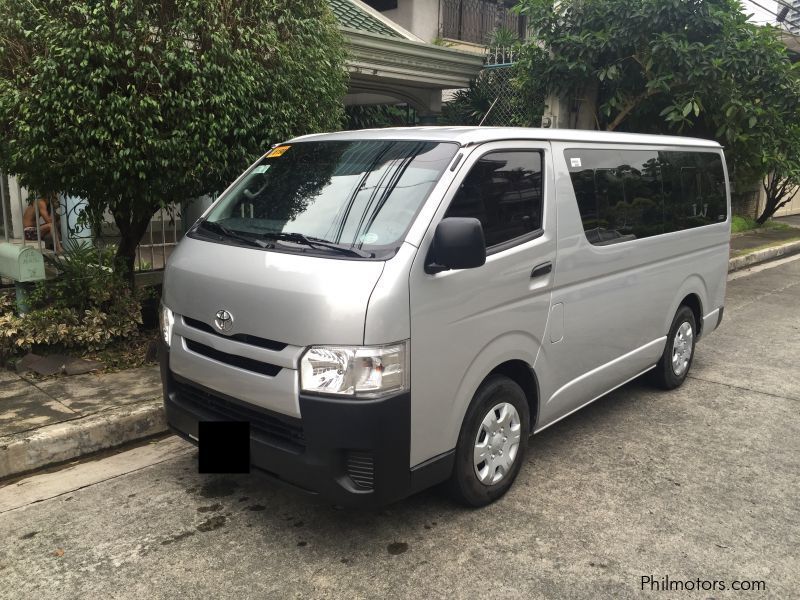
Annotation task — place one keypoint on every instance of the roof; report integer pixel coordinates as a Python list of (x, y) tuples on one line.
[(359, 16), (406, 64), (477, 135)]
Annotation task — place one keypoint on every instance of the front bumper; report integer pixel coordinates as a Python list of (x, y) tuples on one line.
[(349, 452)]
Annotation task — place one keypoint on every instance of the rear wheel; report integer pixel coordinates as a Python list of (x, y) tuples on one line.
[(492, 442), (672, 369)]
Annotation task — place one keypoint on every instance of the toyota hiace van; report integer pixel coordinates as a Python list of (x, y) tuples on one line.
[(391, 309)]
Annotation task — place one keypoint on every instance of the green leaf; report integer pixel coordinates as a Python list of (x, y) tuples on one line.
[(699, 64)]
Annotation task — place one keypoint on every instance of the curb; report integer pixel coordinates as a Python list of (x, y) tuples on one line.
[(30, 450), (759, 256)]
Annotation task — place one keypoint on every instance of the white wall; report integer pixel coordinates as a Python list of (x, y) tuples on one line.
[(792, 208), (420, 17)]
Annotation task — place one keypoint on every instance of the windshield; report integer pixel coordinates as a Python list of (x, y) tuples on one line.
[(350, 194)]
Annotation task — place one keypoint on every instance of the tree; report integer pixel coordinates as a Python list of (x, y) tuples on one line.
[(696, 67), (136, 104), (783, 179)]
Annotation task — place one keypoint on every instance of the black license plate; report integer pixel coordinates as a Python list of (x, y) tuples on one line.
[(224, 446)]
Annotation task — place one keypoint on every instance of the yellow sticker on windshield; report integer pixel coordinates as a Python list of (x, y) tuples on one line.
[(276, 152)]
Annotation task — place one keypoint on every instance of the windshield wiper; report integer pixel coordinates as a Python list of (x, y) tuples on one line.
[(299, 238), (224, 231)]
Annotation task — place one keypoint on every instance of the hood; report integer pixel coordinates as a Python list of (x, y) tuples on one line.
[(290, 298)]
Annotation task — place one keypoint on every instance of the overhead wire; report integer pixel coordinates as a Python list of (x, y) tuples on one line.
[(782, 3)]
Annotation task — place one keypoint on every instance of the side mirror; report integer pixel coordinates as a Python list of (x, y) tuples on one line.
[(458, 243)]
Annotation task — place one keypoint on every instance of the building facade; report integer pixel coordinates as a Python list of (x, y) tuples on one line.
[(791, 18), (464, 24)]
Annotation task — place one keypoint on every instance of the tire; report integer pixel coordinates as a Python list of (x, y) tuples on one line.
[(668, 373), (496, 395)]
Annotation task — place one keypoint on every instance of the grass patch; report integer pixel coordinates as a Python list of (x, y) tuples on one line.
[(737, 253), (739, 224)]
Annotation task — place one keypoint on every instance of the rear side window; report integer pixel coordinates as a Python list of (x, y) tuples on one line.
[(630, 194), (503, 190)]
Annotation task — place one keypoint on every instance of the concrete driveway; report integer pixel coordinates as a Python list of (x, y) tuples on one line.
[(699, 485)]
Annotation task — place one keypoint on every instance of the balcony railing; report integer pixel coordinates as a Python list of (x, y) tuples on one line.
[(475, 20)]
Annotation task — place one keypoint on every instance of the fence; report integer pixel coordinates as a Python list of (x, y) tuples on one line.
[(163, 233), (494, 98), (40, 213)]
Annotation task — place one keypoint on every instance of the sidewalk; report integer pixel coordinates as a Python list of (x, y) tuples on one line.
[(56, 420), (753, 247)]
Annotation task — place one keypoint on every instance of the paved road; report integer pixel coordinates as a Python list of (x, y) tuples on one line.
[(701, 483)]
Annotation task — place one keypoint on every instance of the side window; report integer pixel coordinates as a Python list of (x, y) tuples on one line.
[(694, 186), (630, 194), (619, 193), (503, 190)]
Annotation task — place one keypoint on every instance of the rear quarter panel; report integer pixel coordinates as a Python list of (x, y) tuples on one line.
[(620, 297)]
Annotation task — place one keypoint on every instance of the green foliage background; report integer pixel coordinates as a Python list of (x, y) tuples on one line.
[(133, 104), (692, 67)]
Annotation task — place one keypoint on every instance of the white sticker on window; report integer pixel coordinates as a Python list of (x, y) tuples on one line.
[(369, 238), (574, 162), (260, 169)]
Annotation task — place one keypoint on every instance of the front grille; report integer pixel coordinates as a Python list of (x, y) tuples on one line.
[(239, 337), (279, 429), (360, 467), (234, 360)]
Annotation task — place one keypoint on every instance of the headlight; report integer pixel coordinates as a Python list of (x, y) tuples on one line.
[(361, 371), (166, 320)]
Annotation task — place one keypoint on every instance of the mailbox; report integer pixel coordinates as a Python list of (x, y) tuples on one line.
[(21, 263)]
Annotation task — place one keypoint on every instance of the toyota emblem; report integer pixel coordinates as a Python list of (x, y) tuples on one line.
[(223, 320)]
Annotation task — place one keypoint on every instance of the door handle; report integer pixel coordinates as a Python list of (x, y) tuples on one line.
[(542, 269)]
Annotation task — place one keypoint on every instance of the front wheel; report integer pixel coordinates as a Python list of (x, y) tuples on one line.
[(492, 443), (672, 369)]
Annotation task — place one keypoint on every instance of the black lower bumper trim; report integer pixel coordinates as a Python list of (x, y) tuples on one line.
[(353, 452)]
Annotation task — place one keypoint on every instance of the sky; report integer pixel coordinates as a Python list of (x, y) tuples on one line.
[(759, 14)]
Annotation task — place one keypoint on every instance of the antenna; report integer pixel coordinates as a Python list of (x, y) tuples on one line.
[(488, 111)]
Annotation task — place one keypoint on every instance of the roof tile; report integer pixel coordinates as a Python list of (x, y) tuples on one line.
[(354, 17)]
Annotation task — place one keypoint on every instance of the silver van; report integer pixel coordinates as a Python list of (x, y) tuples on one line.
[(391, 309)]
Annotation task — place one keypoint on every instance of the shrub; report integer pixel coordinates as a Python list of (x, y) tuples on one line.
[(86, 307)]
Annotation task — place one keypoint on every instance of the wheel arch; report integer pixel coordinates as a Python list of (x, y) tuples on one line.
[(524, 376), (511, 354), (694, 303), (692, 293)]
